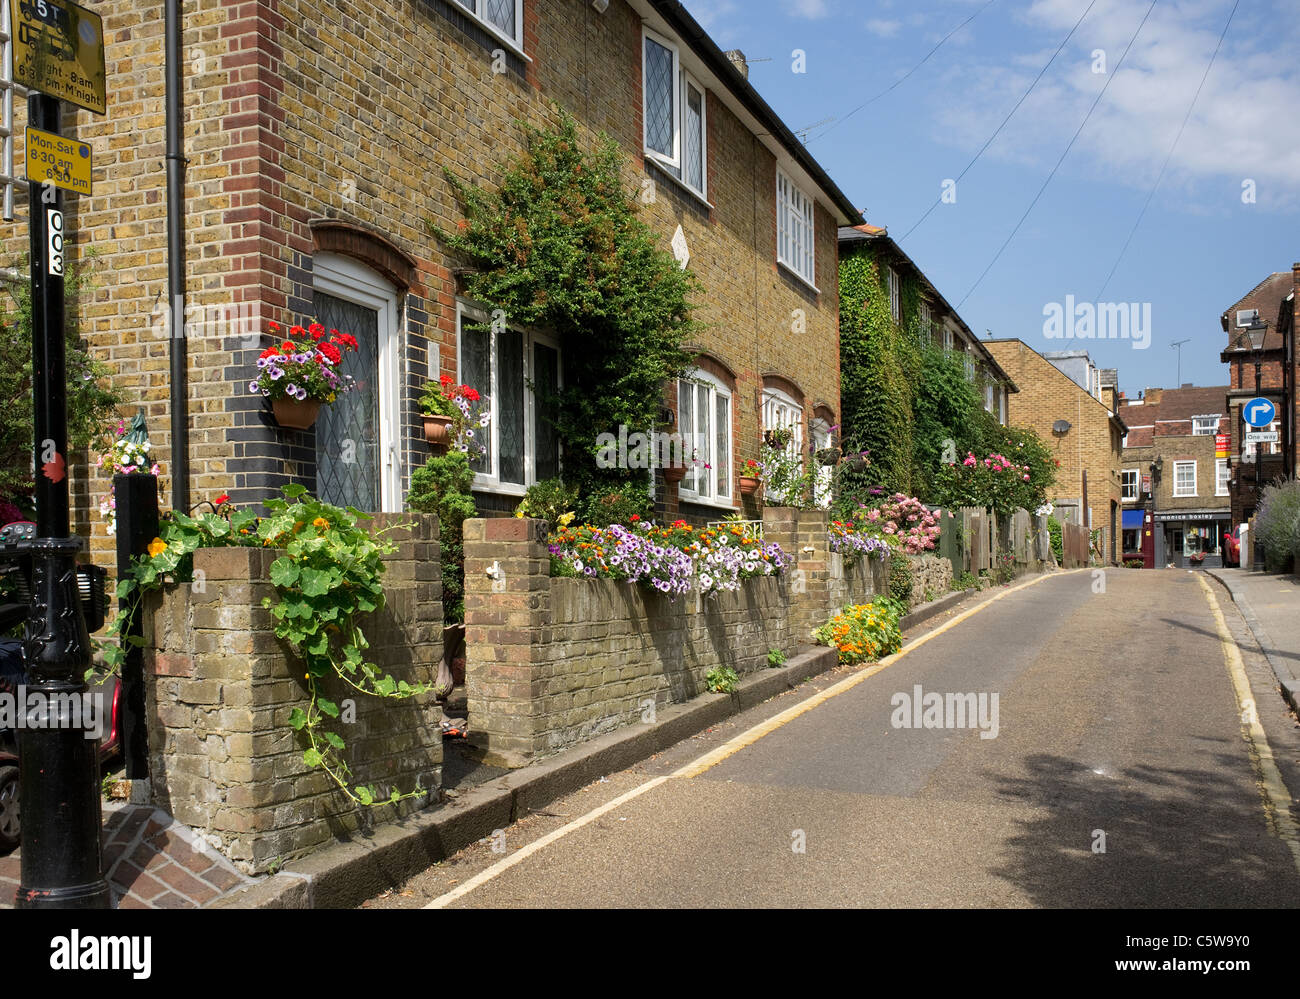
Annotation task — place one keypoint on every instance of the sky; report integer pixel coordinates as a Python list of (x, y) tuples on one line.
[(1226, 201)]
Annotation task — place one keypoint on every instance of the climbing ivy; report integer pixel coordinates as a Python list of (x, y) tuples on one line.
[(560, 246), (875, 395)]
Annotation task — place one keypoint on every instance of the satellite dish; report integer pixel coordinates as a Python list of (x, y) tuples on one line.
[(1061, 427)]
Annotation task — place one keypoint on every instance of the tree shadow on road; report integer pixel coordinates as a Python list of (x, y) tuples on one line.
[(1180, 838)]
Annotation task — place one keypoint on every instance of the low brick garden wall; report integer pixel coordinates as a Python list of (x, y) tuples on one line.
[(554, 662), (931, 574), (220, 687)]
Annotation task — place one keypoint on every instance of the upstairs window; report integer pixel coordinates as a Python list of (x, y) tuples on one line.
[(1221, 477), (895, 296), (1129, 483), (673, 110), (794, 229), (1184, 478), (1205, 426), (503, 17)]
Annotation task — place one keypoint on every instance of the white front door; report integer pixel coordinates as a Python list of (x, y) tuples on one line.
[(358, 438)]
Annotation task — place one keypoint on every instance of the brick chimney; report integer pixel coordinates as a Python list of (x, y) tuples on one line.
[(1152, 397), (738, 60)]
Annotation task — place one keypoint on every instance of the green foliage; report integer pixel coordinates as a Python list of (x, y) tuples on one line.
[(1015, 474), (775, 658), (788, 476), (864, 632), (328, 578), (1056, 540), (92, 401), (945, 411), (435, 402), (875, 394), (443, 485), (900, 577), (1133, 563), (617, 506), (559, 246), (1277, 524), (965, 580), (721, 680), (550, 501)]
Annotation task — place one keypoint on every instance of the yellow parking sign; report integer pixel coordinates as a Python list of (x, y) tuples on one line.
[(58, 160)]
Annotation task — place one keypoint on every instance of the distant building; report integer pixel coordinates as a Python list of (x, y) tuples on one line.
[(1270, 304), (1071, 404), (1171, 469)]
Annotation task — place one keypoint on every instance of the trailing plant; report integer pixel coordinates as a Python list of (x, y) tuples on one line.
[(302, 365), (128, 454), (327, 579), (463, 405), (788, 477), (443, 485), (92, 400), (559, 246)]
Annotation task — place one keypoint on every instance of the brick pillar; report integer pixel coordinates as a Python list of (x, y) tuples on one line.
[(803, 535), (507, 636), (220, 687)]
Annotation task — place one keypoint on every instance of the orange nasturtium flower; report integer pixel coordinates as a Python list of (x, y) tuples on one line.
[(156, 547), (320, 522)]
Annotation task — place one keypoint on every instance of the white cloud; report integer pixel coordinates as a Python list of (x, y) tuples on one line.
[(883, 28), (712, 14), (811, 9), (1243, 125)]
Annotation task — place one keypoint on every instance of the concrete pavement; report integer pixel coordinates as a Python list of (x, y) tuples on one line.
[(1270, 605)]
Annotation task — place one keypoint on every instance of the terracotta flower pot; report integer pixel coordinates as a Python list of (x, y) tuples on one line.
[(437, 429), (674, 473), (749, 484), (295, 414)]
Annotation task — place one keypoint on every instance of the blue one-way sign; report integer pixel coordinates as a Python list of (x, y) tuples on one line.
[(1259, 412)]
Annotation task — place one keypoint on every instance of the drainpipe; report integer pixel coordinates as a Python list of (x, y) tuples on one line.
[(180, 436)]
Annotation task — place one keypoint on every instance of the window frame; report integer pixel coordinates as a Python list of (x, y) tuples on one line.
[(894, 285), (716, 388), (490, 481), (1222, 475), (1196, 432), (810, 220), (674, 161), (349, 279), (1177, 466), (1124, 496), (775, 398), (516, 44), (819, 430)]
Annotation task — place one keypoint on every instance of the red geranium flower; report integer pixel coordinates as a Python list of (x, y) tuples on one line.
[(348, 340), (332, 353), (316, 330), (222, 500), (287, 347), (445, 379), (471, 394), (269, 351), (275, 327)]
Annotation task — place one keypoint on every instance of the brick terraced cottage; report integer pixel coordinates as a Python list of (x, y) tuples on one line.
[(316, 135)]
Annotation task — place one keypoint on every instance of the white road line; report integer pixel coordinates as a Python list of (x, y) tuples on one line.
[(716, 756)]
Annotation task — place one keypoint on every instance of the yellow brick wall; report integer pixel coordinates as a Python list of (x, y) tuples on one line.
[(299, 111), (1092, 444)]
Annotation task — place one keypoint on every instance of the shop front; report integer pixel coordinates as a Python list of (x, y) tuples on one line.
[(1137, 534), (1193, 539)]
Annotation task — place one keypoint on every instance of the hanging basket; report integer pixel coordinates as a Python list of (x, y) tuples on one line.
[(828, 456), (437, 430), (674, 473), (295, 414), (749, 484)]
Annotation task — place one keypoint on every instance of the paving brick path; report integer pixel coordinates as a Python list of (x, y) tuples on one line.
[(151, 862)]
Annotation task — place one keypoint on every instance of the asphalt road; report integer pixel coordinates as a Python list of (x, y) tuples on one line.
[(1121, 775)]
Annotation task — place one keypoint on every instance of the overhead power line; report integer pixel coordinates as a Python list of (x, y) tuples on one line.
[(904, 77), (1110, 77), (1001, 125), (1164, 166)]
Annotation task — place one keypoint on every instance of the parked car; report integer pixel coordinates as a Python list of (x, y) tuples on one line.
[(1232, 548)]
